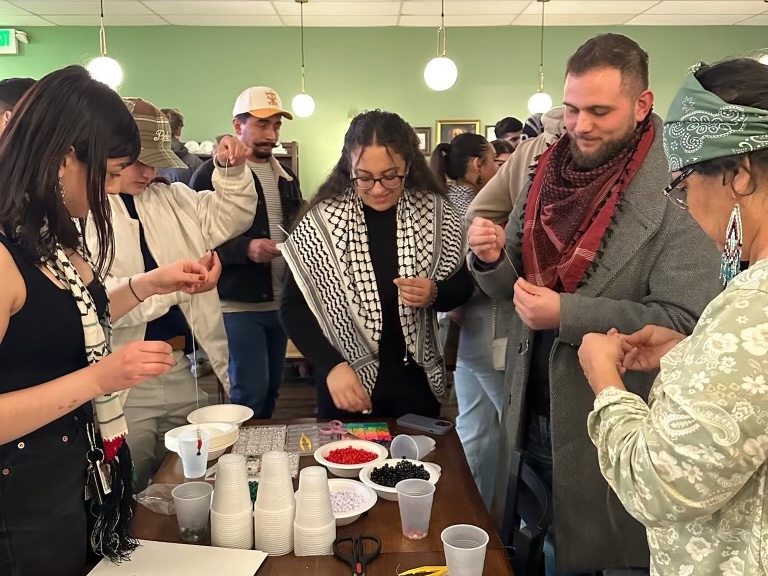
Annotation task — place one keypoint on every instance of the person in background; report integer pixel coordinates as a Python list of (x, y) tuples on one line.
[(691, 463), (496, 200), (191, 161), (252, 268), (11, 91), (63, 150), (156, 223), (377, 254), (509, 128), (534, 127), (595, 247), (465, 165), (503, 150)]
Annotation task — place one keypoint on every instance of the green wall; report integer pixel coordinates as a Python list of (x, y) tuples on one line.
[(200, 71)]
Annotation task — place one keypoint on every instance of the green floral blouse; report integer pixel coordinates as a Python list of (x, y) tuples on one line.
[(691, 465)]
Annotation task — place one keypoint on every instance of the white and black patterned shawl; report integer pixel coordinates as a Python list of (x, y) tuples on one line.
[(329, 257)]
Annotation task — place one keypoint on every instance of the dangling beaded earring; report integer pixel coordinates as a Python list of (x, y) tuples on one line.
[(61, 191), (479, 180), (730, 265)]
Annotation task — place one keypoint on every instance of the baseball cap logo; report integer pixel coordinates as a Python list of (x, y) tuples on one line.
[(271, 98), (162, 136)]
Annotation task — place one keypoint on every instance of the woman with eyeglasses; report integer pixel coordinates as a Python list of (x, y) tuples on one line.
[(465, 166), (378, 252), (692, 465)]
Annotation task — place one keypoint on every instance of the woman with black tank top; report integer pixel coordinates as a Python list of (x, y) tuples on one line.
[(64, 148)]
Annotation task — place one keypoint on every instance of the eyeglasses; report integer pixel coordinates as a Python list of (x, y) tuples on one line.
[(674, 193), (388, 182)]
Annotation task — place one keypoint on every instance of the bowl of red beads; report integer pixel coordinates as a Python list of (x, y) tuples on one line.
[(345, 458)]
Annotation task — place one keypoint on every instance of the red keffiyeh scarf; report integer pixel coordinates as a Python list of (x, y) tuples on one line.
[(569, 210)]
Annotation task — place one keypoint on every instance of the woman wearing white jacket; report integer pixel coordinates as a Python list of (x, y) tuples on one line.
[(157, 223)]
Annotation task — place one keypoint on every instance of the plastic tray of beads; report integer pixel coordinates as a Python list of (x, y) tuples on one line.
[(311, 431), (256, 440)]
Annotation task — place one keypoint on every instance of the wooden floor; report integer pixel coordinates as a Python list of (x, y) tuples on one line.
[(297, 398)]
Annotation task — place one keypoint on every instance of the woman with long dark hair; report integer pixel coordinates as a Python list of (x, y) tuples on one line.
[(379, 251), (65, 147)]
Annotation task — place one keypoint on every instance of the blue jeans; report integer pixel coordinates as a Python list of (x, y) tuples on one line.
[(479, 392), (538, 454), (257, 345)]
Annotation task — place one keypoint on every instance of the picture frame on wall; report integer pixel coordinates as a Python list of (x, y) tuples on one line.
[(425, 139), (447, 130), (490, 132)]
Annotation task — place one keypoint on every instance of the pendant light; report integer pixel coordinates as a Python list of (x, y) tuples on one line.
[(441, 72), (105, 69), (303, 104), (540, 102)]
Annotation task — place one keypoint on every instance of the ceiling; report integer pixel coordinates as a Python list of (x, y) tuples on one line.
[(355, 13)]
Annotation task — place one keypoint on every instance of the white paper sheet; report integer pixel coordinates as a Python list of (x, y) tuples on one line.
[(165, 559)]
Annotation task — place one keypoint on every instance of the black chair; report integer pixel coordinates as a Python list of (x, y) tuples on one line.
[(527, 518)]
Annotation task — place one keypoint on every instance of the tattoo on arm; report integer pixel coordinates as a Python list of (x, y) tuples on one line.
[(73, 404)]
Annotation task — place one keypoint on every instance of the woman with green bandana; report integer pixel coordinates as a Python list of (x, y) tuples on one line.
[(692, 464)]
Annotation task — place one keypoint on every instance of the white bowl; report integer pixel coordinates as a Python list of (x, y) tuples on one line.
[(230, 413), (349, 470), (388, 493), (223, 435), (347, 485)]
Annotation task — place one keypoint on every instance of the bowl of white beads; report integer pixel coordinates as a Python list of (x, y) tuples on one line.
[(350, 499)]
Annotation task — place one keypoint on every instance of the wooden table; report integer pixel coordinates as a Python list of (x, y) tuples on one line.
[(457, 501)]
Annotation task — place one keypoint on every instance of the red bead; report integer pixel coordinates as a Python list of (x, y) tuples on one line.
[(350, 455)]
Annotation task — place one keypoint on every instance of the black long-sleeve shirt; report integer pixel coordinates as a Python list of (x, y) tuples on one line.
[(400, 387)]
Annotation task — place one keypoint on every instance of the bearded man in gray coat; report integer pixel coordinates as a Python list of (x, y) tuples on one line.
[(596, 246)]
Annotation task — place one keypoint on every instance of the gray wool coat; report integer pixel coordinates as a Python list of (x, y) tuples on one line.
[(656, 267)]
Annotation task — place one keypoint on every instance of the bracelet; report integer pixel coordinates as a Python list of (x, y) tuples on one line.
[(132, 290), (435, 297)]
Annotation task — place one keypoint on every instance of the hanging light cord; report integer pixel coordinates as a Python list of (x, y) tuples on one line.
[(102, 33), (441, 32), (303, 91), (541, 50)]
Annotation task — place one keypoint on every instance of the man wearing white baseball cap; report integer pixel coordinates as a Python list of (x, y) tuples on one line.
[(252, 267)]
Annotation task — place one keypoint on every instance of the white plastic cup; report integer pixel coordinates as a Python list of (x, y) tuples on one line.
[(194, 460), (464, 547), (192, 502), (411, 447), (415, 498), (232, 495)]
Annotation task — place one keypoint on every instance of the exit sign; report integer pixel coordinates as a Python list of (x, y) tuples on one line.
[(8, 43)]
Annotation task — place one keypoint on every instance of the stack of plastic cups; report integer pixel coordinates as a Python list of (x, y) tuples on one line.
[(275, 505), (231, 508), (315, 527)]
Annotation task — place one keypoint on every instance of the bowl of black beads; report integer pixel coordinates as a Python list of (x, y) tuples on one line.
[(384, 476)]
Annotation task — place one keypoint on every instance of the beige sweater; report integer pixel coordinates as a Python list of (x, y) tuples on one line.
[(497, 198)]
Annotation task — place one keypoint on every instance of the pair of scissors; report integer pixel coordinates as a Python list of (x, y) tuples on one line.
[(333, 428), (359, 556)]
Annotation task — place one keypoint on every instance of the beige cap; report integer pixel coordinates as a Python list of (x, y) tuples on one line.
[(261, 102)]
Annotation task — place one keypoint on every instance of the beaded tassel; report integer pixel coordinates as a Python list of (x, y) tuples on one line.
[(730, 264)]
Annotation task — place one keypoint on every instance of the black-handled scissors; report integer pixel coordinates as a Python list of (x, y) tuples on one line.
[(358, 557)]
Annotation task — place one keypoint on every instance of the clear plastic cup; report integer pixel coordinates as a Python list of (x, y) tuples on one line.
[(415, 500), (192, 502), (411, 447), (194, 459), (464, 547)]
